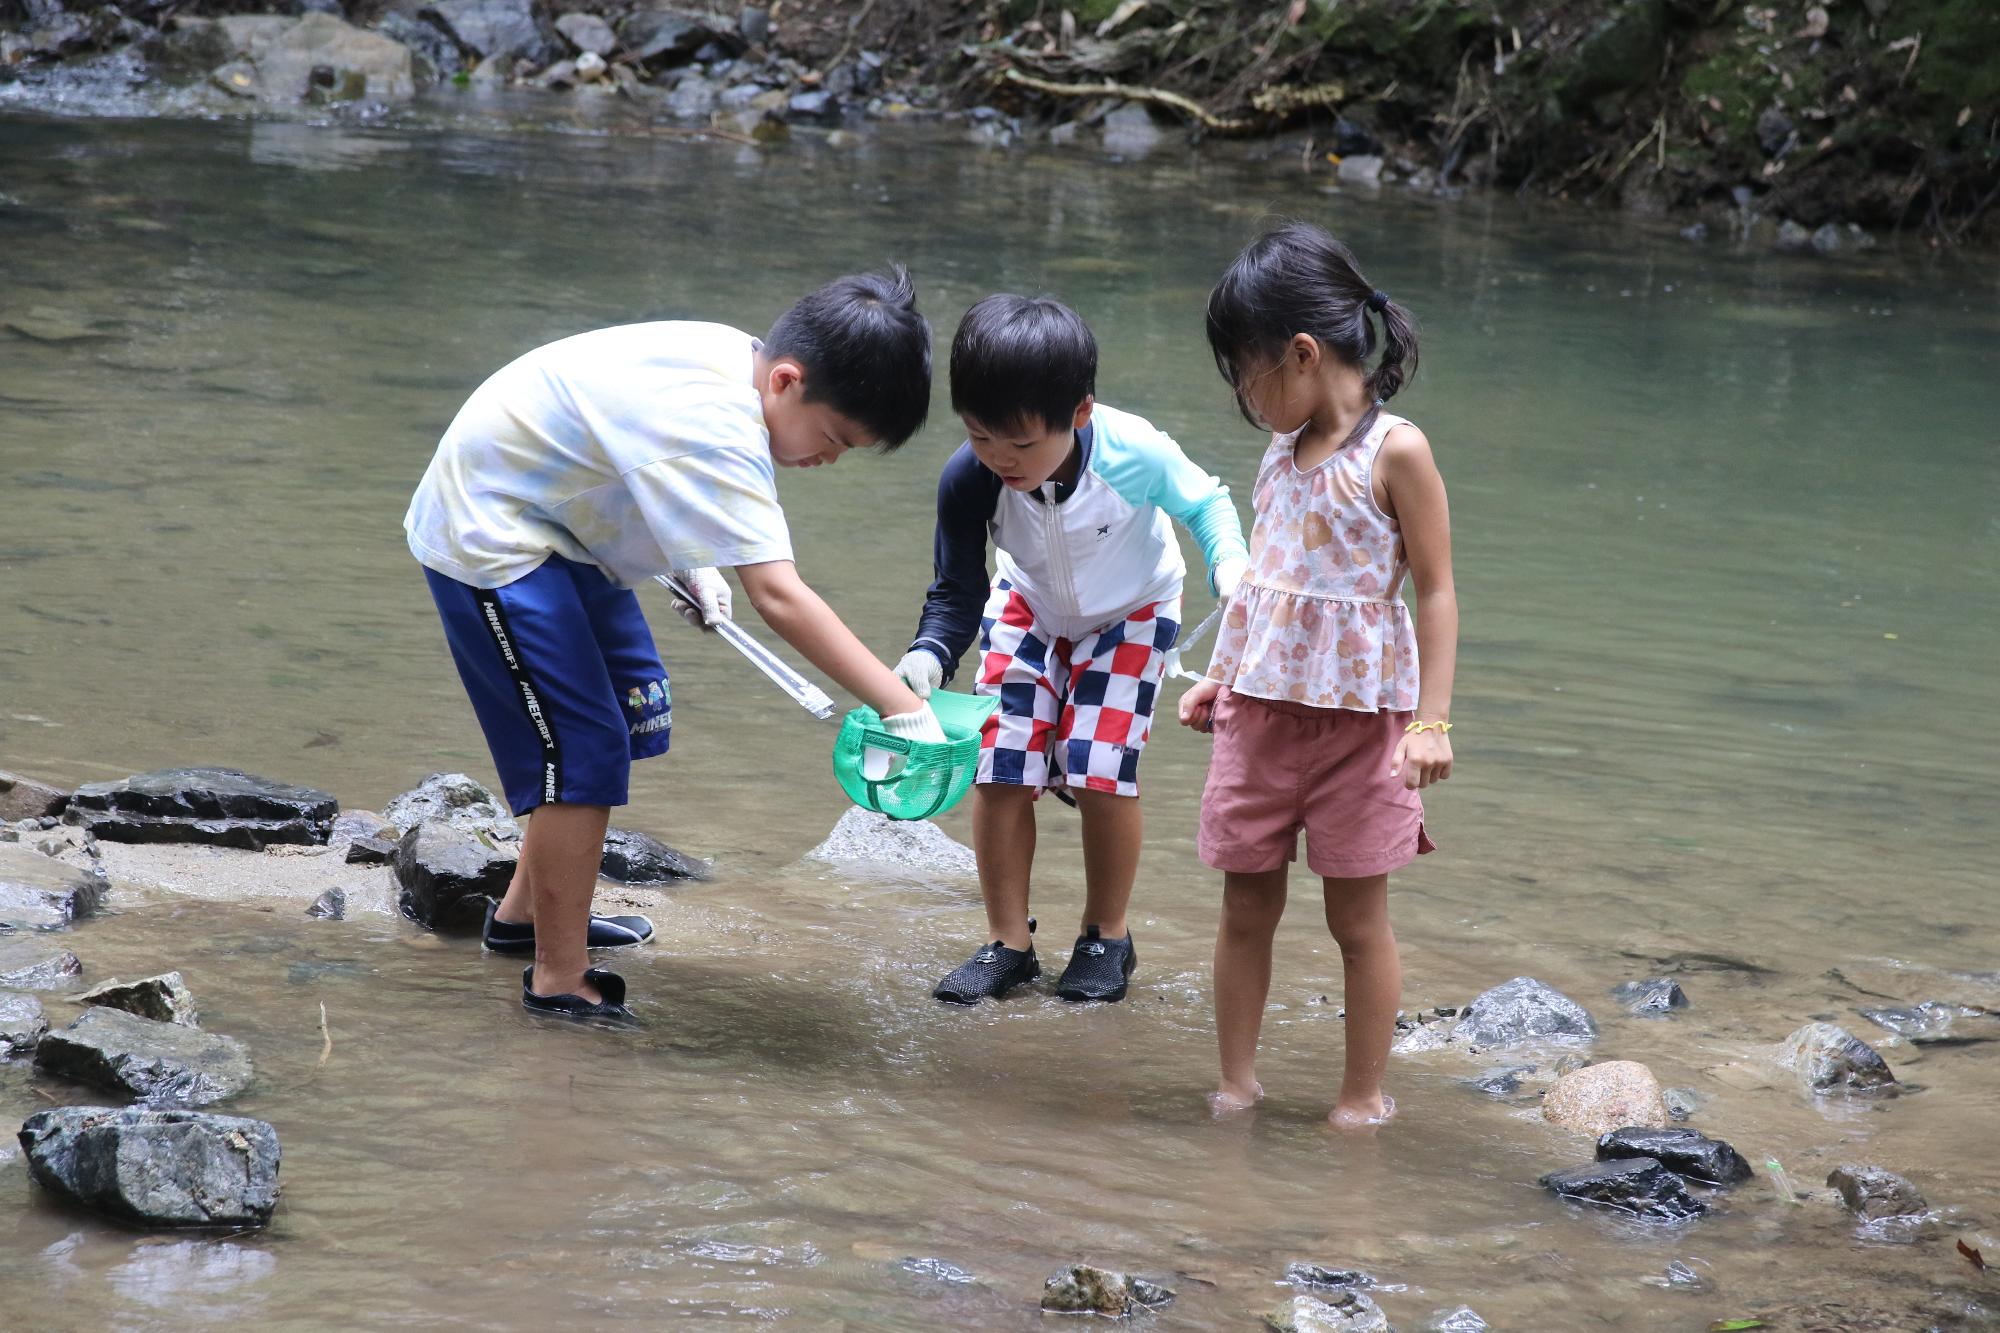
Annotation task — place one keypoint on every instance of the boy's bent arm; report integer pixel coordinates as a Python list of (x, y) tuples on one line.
[(807, 623), (1155, 471), (967, 496)]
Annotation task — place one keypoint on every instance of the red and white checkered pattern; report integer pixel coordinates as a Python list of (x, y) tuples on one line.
[(1072, 713)]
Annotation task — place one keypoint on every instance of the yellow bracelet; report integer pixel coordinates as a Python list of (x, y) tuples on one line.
[(1427, 726)]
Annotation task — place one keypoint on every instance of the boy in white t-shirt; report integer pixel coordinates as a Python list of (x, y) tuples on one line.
[(592, 464)]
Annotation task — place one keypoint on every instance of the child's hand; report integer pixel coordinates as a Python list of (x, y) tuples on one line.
[(712, 600), (1198, 705), (921, 671), (1422, 757)]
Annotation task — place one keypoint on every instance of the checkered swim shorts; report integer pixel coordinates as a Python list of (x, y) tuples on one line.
[(1072, 713)]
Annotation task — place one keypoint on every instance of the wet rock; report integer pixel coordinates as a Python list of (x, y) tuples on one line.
[(172, 1168), (447, 873), (22, 1024), (1793, 239), (38, 893), (452, 798), (285, 53), (222, 807), (25, 798), (164, 999), (672, 36), (1318, 1275), (1831, 1059), (1682, 1102), (488, 28), (372, 851), (1463, 1319), (152, 1061), (1652, 997), (693, 98), (1363, 169), (1872, 1193), (73, 846), (351, 824), (1601, 1098), (1936, 1023), (1423, 1030), (914, 847), (435, 57), (1684, 1151), (329, 906), (631, 857), (1346, 1312), (817, 106), (1637, 1185), (1083, 1289), (1522, 1012), (754, 25), (590, 67), (940, 1270), (1502, 1083), (1130, 131), (28, 964), (1680, 1276), (562, 74), (588, 33)]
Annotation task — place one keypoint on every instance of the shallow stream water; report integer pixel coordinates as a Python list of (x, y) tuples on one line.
[(1727, 546)]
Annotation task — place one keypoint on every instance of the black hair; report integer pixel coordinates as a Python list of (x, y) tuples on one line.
[(866, 350), (1017, 360), (1296, 278)]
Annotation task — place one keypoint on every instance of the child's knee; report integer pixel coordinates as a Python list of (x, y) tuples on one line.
[(1251, 909)]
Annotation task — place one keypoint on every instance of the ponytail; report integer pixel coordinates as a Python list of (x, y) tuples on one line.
[(1296, 278)]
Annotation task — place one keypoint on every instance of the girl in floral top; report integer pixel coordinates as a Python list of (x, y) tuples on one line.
[(1322, 720)]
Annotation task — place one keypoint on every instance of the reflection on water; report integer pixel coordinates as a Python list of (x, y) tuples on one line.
[(1727, 553)]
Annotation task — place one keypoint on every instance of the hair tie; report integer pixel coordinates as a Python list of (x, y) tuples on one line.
[(1378, 300)]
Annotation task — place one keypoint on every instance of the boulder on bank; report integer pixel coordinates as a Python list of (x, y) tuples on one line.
[(22, 1024), (1832, 1059), (171, 1168), (1685, 1152), (156, 1062), (284, 60), (164, 999), (1637, 1185), (489, 28), (221, 807), (448, 873), (1348, 1311), (25, 798), (39, 893), (1522, 1012), (26, 963), (1597, 1099), (455, 799), (631, 857), (1874, 1194)]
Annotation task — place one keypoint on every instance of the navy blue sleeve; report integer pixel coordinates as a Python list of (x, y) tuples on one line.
[(967, 496)]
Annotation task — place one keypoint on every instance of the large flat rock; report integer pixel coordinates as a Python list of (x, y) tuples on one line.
[(40, 893), (160, 1063), (631, 857), (223, 807), (171, 1168)]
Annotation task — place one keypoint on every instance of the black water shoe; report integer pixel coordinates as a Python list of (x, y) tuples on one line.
[(990, 973), (1098, 968), (609, 1011), (606, 932)]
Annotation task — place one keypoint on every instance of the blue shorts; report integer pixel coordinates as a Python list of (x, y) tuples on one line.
[(564, 678)]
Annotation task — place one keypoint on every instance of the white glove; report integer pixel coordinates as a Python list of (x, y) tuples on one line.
[(1227, 575), (922, 725), (921, 671), (711, 602)]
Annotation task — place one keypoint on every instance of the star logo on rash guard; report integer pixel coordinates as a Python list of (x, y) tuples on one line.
[(1104, 531)]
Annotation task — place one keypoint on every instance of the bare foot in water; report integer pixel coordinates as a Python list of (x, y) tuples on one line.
[(1362, 1116), (1227, 1101)]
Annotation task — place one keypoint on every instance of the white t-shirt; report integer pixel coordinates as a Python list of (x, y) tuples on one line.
[(639, 449)]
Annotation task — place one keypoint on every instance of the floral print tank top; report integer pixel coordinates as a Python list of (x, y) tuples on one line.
[(1318, 619)]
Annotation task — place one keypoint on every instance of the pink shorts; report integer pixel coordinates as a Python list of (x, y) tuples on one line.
[(1280, 767)]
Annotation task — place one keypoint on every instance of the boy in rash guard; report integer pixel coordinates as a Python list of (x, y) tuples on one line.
[(1078, 499)]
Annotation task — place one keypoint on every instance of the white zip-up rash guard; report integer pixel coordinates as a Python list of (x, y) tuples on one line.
[(1101, 552)]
